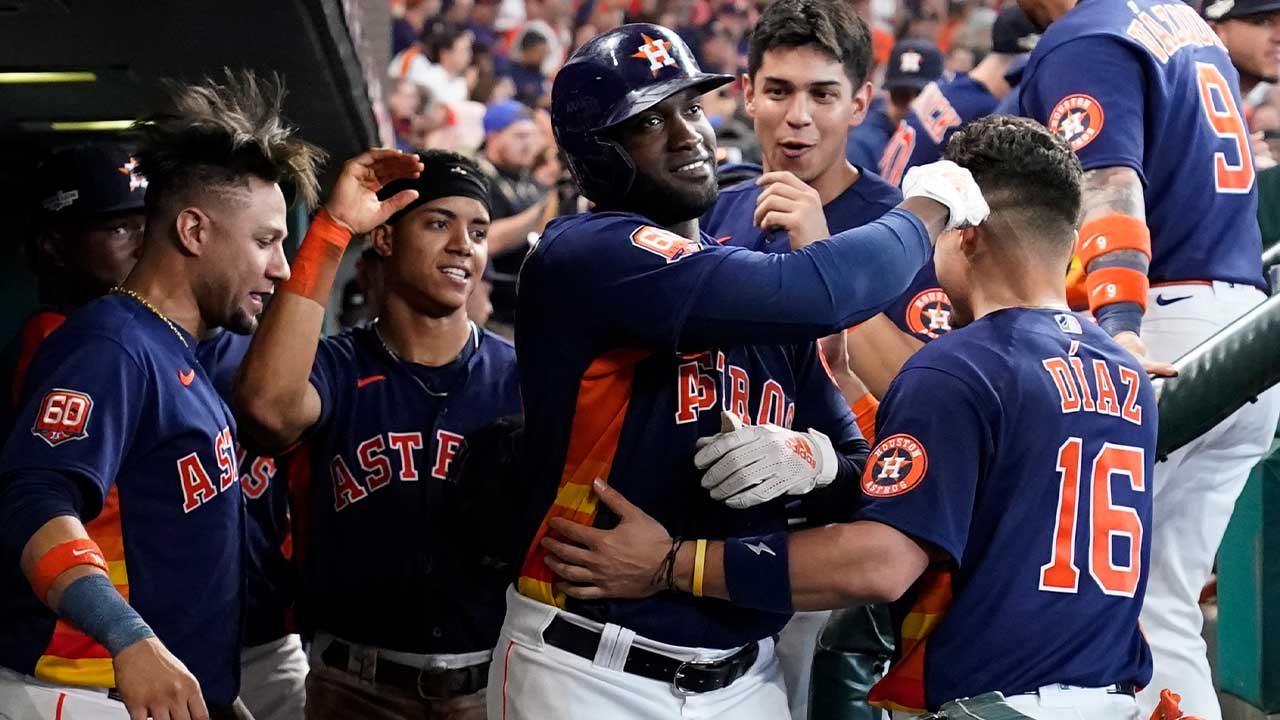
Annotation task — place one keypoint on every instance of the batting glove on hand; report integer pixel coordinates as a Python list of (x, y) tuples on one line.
[(753, 465), (951, 185)]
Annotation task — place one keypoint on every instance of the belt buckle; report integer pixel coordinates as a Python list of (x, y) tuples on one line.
[(422, 693), (679, 674)]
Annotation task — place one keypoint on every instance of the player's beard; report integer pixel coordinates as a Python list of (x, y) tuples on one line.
[(666, 205)]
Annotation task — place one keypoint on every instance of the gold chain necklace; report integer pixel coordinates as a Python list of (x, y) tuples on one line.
[(125, 291)]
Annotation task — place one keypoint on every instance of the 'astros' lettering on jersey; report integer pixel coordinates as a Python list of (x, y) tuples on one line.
[(114, 398), (1022, 447), (378, 567), (1148, 85)]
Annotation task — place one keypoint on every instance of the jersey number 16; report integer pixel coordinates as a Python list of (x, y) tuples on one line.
[(1106, 522)]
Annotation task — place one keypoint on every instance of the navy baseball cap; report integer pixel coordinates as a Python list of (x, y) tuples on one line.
[(913, 64), (88, 181), (500, 116), (1013, 33), (1228, 9)]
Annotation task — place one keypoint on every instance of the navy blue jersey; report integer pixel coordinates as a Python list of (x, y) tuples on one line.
[(924, 310), (1149, 86), (866, 142), (1010, 103), (268, 544), (1021, 446), (114, 399), (377, 566), (632, 339), (937, 112), (729, 221)]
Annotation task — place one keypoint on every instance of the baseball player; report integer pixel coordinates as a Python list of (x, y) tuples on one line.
[(946, 104), (805, 85), (88, 234), (273, 666), (913, 64), (1250, 30), (1170, 248), (402, 626), (143, 618), (969, 524), (634, 332)]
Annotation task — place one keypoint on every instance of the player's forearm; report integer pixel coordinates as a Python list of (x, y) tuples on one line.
[(512, 233), (1115, 246), (273, 396), (877, 351), (51, 534)]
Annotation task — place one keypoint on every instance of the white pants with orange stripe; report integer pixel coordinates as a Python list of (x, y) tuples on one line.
[(1194, 493), (23, 697), (532, 680)]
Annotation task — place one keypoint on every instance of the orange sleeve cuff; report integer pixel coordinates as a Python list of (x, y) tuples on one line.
[(316, 263), (63, 557), (864, 410), (1116, 285), (1111, 233)]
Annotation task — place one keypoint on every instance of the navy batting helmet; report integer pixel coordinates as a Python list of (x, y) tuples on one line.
[(614, 76)]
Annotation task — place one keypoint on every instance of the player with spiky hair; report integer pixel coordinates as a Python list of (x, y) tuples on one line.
[(119, 419)]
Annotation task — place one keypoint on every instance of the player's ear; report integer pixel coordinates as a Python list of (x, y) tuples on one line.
[(748, 95), (861, 101), (49, 245), (969, 239), (380, 238), (192, 228)]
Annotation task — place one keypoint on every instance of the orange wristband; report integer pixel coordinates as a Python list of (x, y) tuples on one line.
[(864, 409), (1116, 285), (63, 557), (316, 263), (1111, 233)]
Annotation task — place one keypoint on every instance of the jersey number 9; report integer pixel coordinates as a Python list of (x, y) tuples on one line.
[(1107, 522), (1227, 123)]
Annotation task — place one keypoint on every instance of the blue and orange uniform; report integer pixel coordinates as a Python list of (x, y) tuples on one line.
[(117, 403), (378, 568), (633, 339), (940, 109), (1046, 529)]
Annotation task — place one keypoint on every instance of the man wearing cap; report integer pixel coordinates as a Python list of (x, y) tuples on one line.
[(1250, 29), (404, 626), (89, 225), (913, 64), (511, 145)]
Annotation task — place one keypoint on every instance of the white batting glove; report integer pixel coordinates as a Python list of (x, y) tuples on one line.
[(951, 185), (752, 465)]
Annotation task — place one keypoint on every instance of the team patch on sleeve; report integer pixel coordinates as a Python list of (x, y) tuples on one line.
[(896, 466), (663, 242), (1077, 119), (63, 416), (929, 313)]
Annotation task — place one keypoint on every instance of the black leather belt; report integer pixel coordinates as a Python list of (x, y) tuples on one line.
[(686, 676), (428, 684)]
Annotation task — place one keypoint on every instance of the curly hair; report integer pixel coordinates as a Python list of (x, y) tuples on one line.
[(218, 134), (1020, 165), (830, 26)]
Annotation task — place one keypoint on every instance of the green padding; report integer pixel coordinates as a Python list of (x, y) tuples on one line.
[(852, 651), (1249, 591)]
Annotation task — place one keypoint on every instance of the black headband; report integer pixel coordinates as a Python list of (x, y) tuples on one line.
[(441, 177)]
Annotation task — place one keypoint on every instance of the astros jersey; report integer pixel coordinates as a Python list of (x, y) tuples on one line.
[(866, 142), (937, 112), (268, 543), (626, 361), (1148, 85), (377, 566), (115, 399), (924, 310), (1021, 447)]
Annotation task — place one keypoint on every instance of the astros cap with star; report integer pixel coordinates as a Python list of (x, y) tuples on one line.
[(89, 181), (913, 64)]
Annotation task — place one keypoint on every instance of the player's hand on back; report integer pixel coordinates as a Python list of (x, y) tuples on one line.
[(153, 683), (1155, 368), (952, 186), (1263, 158), (788, 203), (751, 465), (354, 201)]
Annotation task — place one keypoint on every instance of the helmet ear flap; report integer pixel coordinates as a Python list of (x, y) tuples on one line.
[(605, 173)]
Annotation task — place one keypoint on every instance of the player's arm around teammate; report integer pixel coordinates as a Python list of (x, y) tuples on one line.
[(276, 400)]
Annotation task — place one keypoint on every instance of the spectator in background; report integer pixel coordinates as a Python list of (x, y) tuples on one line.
[(484, 16), (440, 65), (407, 103), (960, 60), (525, 70), (512, 142), (913, 64), (407, 29)]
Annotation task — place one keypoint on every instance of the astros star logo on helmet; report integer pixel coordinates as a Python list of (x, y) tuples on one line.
[(136, 180), (657, 52)]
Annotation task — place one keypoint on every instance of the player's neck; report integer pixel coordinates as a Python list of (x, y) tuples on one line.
[(157, 280), (990, 74), (1247, 83), (1002, 289), (838, 178), (420, 338), (688, 229)]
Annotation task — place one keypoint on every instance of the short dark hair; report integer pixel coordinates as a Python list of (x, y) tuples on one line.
[(830, 26), (532, 39), (218, 135), (1021, 166), (442, 36)]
